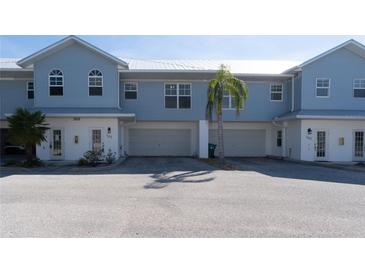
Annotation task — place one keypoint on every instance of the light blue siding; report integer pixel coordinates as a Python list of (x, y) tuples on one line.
[(150, 103), (76, 62), (342, 67), (298, 91), (12, 96)]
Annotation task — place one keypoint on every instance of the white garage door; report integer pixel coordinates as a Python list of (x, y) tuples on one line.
[(159, 142), (241, 143)]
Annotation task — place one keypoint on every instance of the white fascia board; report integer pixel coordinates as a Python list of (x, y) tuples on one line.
[(279, 75)]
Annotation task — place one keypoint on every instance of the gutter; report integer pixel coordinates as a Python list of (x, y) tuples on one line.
[(292, 94), (280, 75)]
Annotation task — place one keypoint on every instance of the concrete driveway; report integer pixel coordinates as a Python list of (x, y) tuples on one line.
[(183, 197)]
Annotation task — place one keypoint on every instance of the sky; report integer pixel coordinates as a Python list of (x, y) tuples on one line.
[(295, 48)]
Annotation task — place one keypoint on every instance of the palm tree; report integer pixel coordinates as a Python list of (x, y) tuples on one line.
[(27, 128), (224, 83)]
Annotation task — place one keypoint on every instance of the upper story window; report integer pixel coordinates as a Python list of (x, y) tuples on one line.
[(130, 90), (56, 83), (30, 90), (322, 87), (95, 83), (178, 95), (276, 92), (359, 88), (228, 101)]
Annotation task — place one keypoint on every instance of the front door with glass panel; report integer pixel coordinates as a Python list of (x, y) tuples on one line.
[(57, 144), (96, 143), (359, 147), (320, 146)]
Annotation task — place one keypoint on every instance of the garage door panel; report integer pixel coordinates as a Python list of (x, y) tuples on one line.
[(160, 142), (241, 143)]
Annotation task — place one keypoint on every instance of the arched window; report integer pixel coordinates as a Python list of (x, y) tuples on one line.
[(95, 83), (56, 83)]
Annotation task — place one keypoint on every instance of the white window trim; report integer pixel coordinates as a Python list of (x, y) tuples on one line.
[(27, 89), (178, 95), (282, 92), (94, 76), (353, 88), (230, 103), (49, 82), (131, 82), (329, 87)]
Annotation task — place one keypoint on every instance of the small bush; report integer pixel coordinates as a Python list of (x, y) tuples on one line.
[(11, 163), (92, 157), (110, 157), (83, 162), (32, 163)]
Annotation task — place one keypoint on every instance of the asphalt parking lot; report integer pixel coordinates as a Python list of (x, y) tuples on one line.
[(184, 197)]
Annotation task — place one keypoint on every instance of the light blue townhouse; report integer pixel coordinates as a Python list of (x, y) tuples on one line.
[(314, 111)]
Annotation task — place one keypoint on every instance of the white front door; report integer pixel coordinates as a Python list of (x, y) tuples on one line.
[(320, 145), (359, 147), (57, 144)]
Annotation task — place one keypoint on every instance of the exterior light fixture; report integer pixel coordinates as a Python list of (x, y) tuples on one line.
[(309, 131)]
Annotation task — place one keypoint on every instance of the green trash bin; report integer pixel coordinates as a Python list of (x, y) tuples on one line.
[(211, 149)]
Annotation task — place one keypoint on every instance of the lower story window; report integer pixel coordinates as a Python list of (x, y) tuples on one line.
[(279, 138)]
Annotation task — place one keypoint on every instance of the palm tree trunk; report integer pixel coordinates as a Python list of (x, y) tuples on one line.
[(220, 138), (29, 152)]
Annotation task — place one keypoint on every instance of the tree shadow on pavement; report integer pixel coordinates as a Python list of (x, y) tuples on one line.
[(164, 179)]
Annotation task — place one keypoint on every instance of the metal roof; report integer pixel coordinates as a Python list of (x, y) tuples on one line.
[(188, 65)]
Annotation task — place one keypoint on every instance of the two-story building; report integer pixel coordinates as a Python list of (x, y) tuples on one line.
[(314, 111)]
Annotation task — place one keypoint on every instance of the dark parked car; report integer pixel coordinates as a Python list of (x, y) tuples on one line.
[(13, 149)]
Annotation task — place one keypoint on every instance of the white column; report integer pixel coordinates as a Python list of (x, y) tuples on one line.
[(203, 138)]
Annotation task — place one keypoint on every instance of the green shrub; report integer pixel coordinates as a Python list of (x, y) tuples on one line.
[(33, 163), (92, 157), (11, 163), (110, 157), (83, 162)]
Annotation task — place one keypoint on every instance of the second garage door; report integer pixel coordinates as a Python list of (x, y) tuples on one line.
[(241, 143), (160, 142)]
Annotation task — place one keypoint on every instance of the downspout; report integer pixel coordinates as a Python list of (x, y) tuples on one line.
[(118, 75), (292, 94)]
